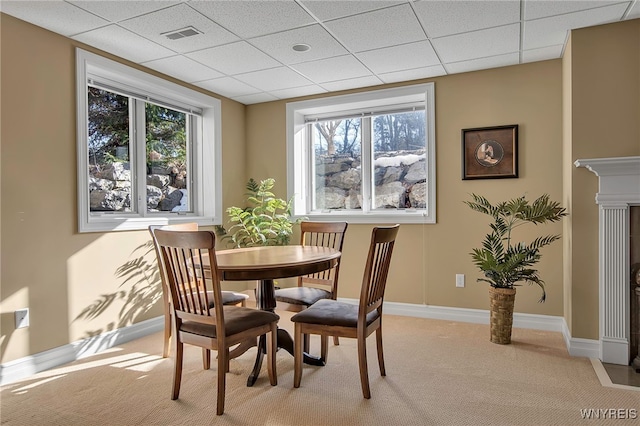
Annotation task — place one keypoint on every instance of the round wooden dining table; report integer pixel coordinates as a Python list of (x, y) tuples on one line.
[(264, 264)]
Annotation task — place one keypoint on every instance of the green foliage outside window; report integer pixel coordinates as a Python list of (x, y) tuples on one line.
[(108, 125), (109, 129), (166, 135)]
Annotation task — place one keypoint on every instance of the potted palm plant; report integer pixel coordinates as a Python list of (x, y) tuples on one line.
[(505, 263)]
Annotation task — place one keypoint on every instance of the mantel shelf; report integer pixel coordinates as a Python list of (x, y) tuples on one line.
[(613, 166)]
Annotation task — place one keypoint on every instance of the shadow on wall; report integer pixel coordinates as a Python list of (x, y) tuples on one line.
[(140, 290)]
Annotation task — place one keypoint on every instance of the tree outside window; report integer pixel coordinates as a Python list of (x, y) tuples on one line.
[(397, 142), (111, 150)]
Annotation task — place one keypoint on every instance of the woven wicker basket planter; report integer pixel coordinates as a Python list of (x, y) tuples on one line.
[(501, 310)]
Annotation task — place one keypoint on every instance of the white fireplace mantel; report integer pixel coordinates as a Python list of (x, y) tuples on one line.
[(618, 189)]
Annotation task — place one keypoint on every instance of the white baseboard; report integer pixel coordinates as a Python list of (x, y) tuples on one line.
[(24, 367), (577, 347), (580, 347)]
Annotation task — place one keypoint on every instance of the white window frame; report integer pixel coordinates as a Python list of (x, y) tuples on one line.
[(299, 163), (206, 178)]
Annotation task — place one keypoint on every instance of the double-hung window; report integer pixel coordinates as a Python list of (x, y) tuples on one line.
[(148, 149), (367, 157)]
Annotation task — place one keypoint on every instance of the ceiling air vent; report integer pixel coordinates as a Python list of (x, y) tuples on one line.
[(181, 33)]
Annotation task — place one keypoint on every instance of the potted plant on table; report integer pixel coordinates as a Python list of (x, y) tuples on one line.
[(266, 221), (505, 263)]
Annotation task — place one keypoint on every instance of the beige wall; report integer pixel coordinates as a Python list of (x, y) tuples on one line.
[(56, 272), (604, 108), (427, 257), (46, 265)]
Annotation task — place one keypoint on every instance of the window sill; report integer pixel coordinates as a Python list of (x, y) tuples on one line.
[(403, 216), (113, 224)]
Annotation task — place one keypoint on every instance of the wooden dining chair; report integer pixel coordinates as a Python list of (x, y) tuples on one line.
[(321, 285), (333, 318), (189, 257), (228, 297)]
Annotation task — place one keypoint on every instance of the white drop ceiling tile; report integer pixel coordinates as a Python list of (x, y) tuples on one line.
[(57, 16), (545, 8), (183, 68), (635, 11), (297, 92), (258, 17), (352, 83), (273, 79), (279, 45), (255, 98), (543, 53), (489, 42), (227, 86), (441, 18), (331, 9), (414, 74), (380, 28), (116, 11), (483, 63), (344, 47), (155, 24), (124, 43), (234, 58), (397, 58), (332, 69), (554, 30)]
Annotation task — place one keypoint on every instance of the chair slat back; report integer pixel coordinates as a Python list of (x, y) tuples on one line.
[(192, 274), (323, 234), (191, 226), (374, 280)]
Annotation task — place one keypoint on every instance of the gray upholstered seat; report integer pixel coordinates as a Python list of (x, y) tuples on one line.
[(302, 295), (233, 298), (333, 313), (236, 320)]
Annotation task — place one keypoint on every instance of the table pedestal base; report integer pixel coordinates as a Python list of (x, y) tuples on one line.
[(285, 342), (265, 299)]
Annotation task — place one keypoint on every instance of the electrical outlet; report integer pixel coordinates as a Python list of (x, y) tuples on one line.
[(459, 280), (22, 318)]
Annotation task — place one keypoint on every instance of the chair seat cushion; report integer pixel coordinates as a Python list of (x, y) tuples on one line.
[(332, 312), (306, 296), (237, 319), (233, 298), (228, 298)]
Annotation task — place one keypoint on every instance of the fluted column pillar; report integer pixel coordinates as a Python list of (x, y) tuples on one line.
[(614, 283)]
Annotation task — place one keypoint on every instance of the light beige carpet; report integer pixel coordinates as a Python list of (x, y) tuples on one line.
[(438, 373)]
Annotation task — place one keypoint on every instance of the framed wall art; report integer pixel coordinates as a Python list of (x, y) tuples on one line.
[(490, 152)]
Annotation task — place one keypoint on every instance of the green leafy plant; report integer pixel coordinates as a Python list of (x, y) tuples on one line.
[(503, 262), (265, 222)]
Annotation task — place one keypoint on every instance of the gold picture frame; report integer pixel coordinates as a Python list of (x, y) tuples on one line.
[(490, 152)]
